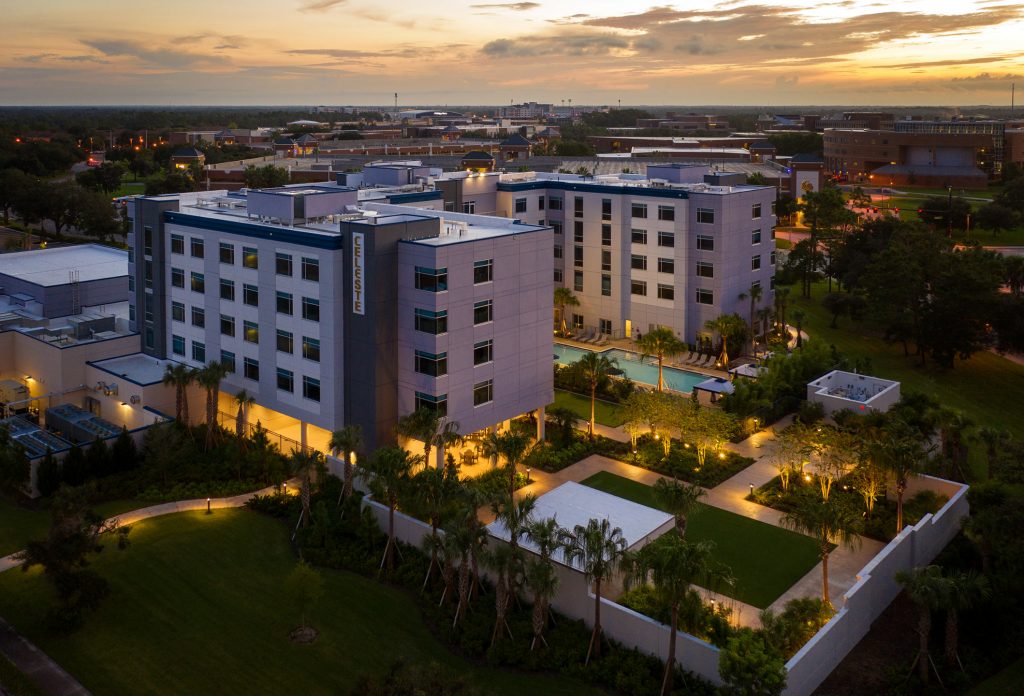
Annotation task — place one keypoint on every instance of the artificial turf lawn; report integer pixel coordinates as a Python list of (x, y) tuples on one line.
[(765, 560), (987, 388), (605, 413), (19, 524), (197, 606)]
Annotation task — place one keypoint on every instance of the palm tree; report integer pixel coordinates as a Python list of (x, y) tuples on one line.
[(798, 317), (673, 565), (963, 591), (346, 441), (680, 499), (726, 325), (660, 343), (543, 580), (511, 445), (303, 464), (927, 588), (386, 472), (598, 550), (565, 420), (902, 455), (953, 427), (434, 490), (754, 293), (244, 400), (564, 298), (432, 429), (828, 522), (209, 378), (506, 561), (994, 440), (781, 303), (595, 369), (180, 376)]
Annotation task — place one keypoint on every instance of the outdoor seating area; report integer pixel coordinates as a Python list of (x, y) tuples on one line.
[(839, 390), (590, 336)]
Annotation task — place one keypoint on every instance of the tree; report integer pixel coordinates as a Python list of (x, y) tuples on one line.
[(565, 420), (267, 176), (679, 498), (347, 441), (900, 453), (564, 297), (732, 329), (827, 212), (304, 586), (706, 427), (386, 473), (434, 490), (303, 464), (927, 589), (48, 475), (14, 184), (245, 400), (781, 304), (96, 216), (512, 446), (827, 521), (660, 343), (506, 561), (14, 465), (432, 429), (106, 177), (209, 379), (963, 591), (595, 369), (542, 579), (754, 294), (798, 318), (838, 451), (945, 212), (995, 217), (179, 376), (597, 549), (994, 440), (750, 667)]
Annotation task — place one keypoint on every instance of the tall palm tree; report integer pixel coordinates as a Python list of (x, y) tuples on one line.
[(953, 429), (564, 298), (430, 428), (963, 591), (179, 376), (781, 303), (798, 318), (927, 588), (506, 561), (726, 325), (598, 550), (434, 490), (754, 294), (244, 400), (386, 473), (209, 378), (660, 343), (512, 446), (902, 455), (516, 516), (304, 463), (346, 441), (994, 440), (595, 369), (673, 565), (543, 580), (829, 522), (680, 499)]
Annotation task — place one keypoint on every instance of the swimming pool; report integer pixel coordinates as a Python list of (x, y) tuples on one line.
[(642, 372)]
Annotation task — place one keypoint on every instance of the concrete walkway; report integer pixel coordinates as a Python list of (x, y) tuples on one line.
[(47, 675)]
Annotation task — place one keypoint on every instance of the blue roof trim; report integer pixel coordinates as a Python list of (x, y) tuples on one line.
[(552, 185), (416, 196), (254, 230)]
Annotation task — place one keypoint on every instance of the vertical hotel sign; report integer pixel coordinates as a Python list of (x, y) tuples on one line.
[(358, 277)]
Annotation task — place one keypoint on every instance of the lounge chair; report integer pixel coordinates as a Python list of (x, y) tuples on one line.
[(588, 337), (697, 357), (706, 362), (601, 340)]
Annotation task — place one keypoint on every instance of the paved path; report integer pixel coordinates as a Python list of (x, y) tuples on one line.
[(47, 675)]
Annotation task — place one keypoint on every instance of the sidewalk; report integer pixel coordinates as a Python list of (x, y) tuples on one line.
[(47, 675)]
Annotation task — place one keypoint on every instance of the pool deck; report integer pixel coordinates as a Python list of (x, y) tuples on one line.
[(630, 345)]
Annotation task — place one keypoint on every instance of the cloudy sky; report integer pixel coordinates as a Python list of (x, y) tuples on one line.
[(941, 52)]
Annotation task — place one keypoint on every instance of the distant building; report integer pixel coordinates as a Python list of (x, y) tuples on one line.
[(527, 110), (185, 157)]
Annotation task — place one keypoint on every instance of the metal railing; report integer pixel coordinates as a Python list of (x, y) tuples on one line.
[(229, 421)]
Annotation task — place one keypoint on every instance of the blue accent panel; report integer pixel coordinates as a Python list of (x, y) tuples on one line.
[(551, 185), (256, 230), (415, 197)]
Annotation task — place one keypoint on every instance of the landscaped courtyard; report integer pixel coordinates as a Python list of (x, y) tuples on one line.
[(20, 524), (605, 413), (199, 597), (765, 560)]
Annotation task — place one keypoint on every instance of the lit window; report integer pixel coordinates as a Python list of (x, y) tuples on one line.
[(250, 257), (251, 332)]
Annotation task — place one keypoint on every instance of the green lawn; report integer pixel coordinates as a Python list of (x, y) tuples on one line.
[(129, 188), (604, 412), (987, 387), (765, 560), (13, 682), (1006, 682), (20, 524), (197, 606)]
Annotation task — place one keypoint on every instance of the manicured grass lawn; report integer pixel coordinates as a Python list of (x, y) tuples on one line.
[(197, 606), (1006, 682), (129, 188), (21, 524), (604, 412), (765, 560), (987, 387)]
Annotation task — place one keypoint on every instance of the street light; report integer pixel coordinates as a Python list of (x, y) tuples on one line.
[(208, 510)]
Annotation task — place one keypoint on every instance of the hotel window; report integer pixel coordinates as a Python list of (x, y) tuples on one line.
[(755, 237), (520, 204), (197, 247), (638, 262), (554, 203), (227, 289), (666, 265), (198, 352), (483, 392), (285, 341), (438, 404), (430, 364), (431, 279), (311, 388), (147, 273), (705, 243), (577, 281), (283, 264), (198, 317), (606, 208), (429, 322), (227, 253), (606, 260), (251, 369), (177, 345), (311, 269), (556, 226), (666, 292), (578, 206), (755, 262), (577, 256), (177, 277), (198, 282), (558, 275), (177, 311), (285, 380), (147, 241), (639, 210), (250, 257), (605, 326), (558, 251), (250, 332), (311, 348), (577, 231), (639, 236), (284, 303), (250, 295), (149, 337), (638, 287), (469, 207), (666, 239), (149, 308), (483, 271), (227, 359), (131, 283), (606, 285), (606, 235), (773, 207), (540, 204), (705, 269), (177, 244), (577, 321), (771, 258), (227, 325), (705, 296), (773, 233), (755, 211), (483, 312), (483, 352), (706, 215), (666, 212), (310, 309)]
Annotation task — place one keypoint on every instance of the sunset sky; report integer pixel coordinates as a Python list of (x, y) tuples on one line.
[(937, 52)]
